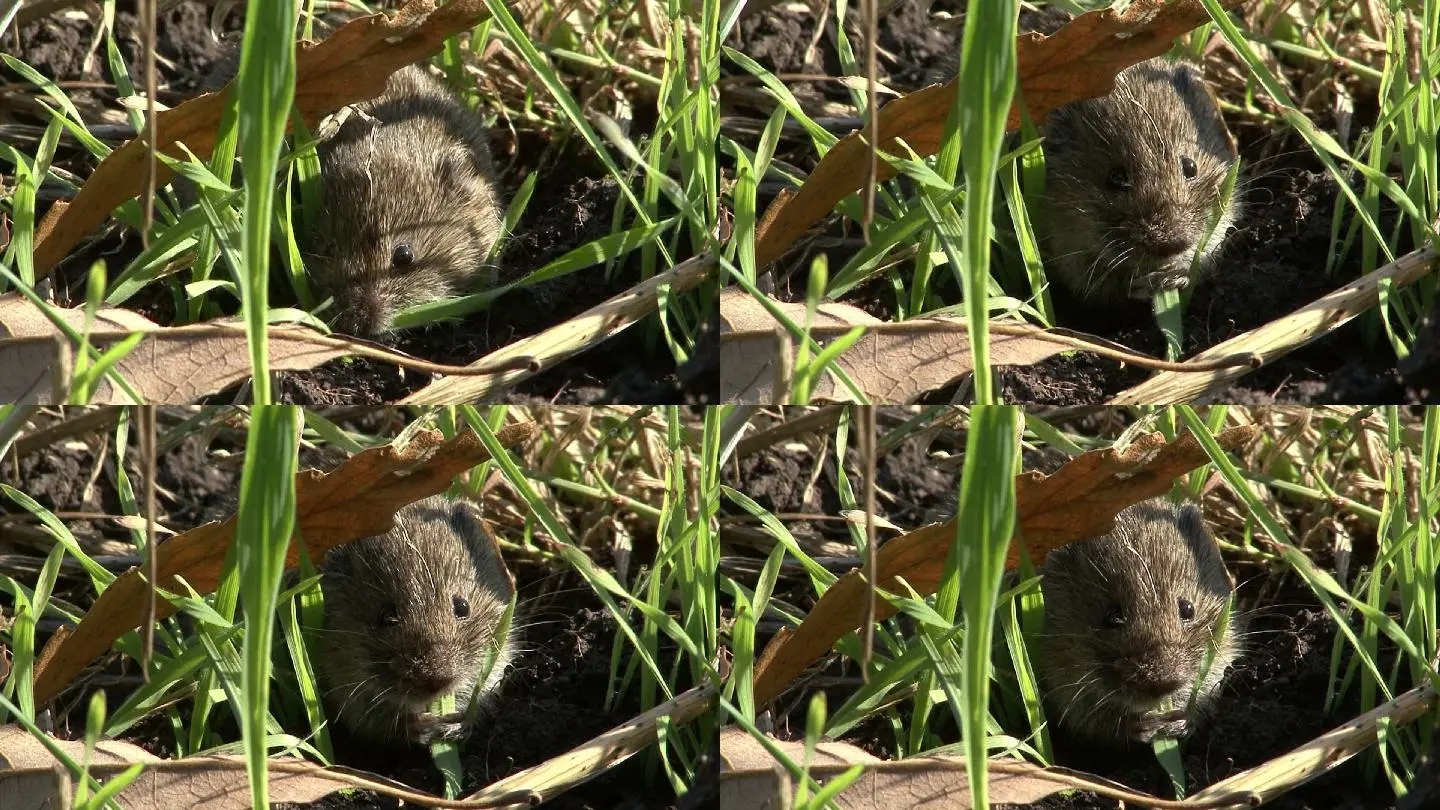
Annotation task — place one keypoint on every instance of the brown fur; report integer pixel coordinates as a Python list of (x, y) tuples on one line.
[(418, 174), (1121, 219), (1111, 681), (392, 634)]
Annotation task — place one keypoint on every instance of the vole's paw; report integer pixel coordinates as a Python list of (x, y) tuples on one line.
[(1147, 727), (427, 728), (1146, 286)]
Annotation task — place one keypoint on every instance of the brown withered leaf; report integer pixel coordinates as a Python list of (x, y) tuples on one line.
[(30, 776), (751, 777), (1076, 502), (357, 499), (1077, 62), (171, 364), (352, 65), (891, 362)]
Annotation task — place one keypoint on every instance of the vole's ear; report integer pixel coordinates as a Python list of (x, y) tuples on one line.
[(1192, 522), (465, 518)]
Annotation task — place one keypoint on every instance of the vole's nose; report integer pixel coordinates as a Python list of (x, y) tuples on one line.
[(1156, 684), (1148, 678), (1167, 247), (361, 313), (436, 684)]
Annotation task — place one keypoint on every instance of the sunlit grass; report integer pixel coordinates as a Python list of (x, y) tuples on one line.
[(912, 258), (535, 68), (1369, 469), (219, 682)]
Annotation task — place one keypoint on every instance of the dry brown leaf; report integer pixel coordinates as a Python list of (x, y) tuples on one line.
[(1076, 502), (891, 362), (1079, 61), (36, 789), (589, 328), (172, 364), (198, 783), (31, 777), (351, 65), (357, 499), (1281, 336), (751, 777)]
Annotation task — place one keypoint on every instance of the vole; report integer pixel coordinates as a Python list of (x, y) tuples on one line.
[(410, 616), (1129, 618), (410, 212), (1132, 180)]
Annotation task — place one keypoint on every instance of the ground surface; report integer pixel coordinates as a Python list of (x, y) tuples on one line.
[(1270, 703), (552, 701), (1272, 265), (572, 205)]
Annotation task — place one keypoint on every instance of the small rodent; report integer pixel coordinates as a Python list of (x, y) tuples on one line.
[(1131, 182), (1129, 618), (410, 616), (410, 208)]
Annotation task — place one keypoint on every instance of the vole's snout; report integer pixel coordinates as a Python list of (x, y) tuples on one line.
[(1166, 246), (1149, 679), (423, 679), (362, 313), (435, 683)]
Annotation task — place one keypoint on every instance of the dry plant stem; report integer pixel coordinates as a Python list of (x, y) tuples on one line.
[(147, 452), (1279, 337), (1320, 755), (813, 422), (147, 207), (545, 781), (589, 328), (867, 453), (872, 102)]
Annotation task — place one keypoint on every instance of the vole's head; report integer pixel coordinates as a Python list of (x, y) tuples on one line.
[(1132, 180), (409, 217), (1129, 616), (411, 615)]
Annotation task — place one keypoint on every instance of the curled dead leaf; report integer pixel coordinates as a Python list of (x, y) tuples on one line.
[(352, 65), (1079, 61), (1076, 502), (357, 499)]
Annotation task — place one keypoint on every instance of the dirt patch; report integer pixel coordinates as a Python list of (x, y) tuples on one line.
[(1272, 265), (552, 700), (571, 206), (1270, 703)]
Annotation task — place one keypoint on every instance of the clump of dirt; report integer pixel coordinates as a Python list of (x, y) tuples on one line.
[(573, 207), (1272, 265)]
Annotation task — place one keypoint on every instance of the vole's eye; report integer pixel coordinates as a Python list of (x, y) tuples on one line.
[(1118, 179), (389, 616), (1115, 618), (1188, 167), (462, 607), (1187, 610), (402, 257)]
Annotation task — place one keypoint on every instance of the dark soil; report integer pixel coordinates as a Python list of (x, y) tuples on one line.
[(1270, 703), (552, 701), (572, 205), (1273, 264)]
